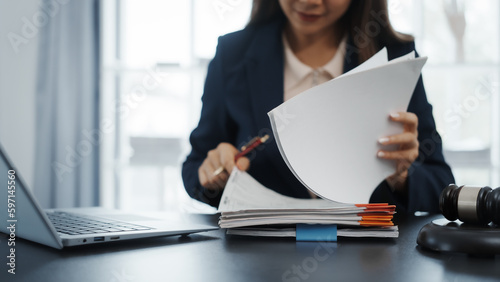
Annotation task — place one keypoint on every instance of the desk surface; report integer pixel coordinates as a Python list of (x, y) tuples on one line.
[(214, 256)]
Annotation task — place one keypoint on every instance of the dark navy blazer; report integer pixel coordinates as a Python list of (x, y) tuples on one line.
[(245, 81)]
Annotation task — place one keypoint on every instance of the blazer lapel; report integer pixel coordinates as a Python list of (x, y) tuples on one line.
[(264, 71), (351, 55)]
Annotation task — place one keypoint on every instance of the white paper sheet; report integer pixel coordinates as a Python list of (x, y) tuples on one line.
[(328, 134), (379, 59), (243, 192)]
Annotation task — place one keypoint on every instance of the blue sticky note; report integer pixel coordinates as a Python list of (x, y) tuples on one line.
[(316, 232)]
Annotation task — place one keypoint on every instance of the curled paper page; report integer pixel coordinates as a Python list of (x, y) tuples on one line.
[(243, 192), (328, 134)]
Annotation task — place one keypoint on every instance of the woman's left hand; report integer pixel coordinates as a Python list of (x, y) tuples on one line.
[(407, 152)]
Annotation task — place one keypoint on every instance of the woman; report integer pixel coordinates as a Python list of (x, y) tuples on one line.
[(288, 47)]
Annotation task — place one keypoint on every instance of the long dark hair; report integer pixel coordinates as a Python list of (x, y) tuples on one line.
[(366, 21)]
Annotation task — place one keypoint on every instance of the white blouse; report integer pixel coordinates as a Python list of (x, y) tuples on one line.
[(300, 77)]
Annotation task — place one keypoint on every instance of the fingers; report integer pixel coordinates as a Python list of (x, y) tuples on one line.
[(219, 170), (409, 120), (222, 156), (407, 141), (243, 163), (407, 152), (408, 156), (208, 179), (409, 137), (227, 152), (406, 138)]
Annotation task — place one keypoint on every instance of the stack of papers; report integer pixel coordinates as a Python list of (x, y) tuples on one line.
[(328, 136), (284, 231), (247, 203)]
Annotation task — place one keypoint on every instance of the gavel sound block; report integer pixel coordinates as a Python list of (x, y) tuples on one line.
[(477, 230)]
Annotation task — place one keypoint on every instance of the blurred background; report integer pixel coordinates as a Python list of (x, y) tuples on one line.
[(97, 98)]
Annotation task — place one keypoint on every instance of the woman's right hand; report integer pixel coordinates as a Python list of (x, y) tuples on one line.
[(222, 156)]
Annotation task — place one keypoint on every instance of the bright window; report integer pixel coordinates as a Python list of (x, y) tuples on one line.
[(461, 39), (155, 56)]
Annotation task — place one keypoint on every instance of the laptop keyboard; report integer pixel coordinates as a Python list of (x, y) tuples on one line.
[(72, 224)]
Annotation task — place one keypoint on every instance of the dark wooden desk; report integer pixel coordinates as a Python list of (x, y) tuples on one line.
[(213, 256)]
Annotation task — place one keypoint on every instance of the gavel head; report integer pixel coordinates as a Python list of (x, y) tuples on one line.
[(471, 204)]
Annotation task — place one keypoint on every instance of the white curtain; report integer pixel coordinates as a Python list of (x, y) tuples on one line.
[(67, 139)]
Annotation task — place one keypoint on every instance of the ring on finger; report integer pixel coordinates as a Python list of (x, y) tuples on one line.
[(218, 171)]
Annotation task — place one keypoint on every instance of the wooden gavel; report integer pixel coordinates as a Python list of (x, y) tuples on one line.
[(471, 204)]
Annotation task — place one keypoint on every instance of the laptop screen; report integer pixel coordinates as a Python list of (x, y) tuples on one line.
[(20, 213)]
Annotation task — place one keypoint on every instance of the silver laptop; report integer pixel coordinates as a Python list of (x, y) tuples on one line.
[(22, 217)]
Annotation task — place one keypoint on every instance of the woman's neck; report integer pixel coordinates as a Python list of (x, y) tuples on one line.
[(314, 50)]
